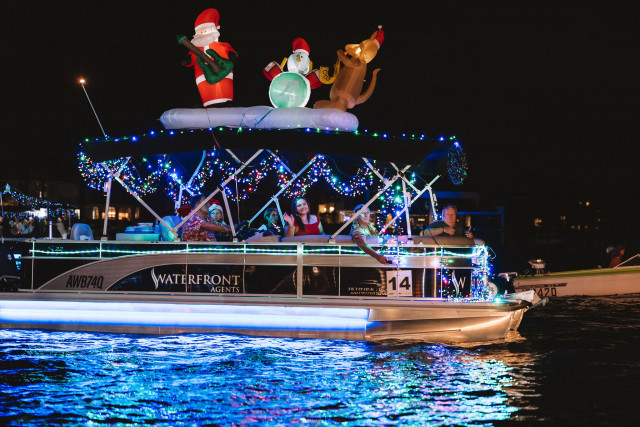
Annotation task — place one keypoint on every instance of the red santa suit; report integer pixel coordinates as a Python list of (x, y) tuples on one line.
[(217, 92), (223, 90)]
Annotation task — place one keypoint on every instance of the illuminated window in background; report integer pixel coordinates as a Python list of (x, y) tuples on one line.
[(125, 213), (537, 222), (95, 213), (77, 211), (563, 218), (112, 212), (137, 214)]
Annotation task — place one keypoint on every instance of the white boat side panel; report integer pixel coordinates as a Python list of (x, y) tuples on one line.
[(594, 284)]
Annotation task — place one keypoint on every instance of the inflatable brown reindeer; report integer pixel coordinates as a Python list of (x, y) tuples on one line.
[(346, 91)]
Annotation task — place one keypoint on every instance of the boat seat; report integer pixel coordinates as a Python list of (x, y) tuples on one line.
[(166, 234), (81, 231)]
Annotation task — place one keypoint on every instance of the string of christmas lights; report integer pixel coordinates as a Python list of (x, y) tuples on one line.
[(33, 203), (148, 177)]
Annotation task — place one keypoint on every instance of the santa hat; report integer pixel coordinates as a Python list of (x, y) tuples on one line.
[(379, 37), (214, 205), (184, 210), (208, 17), (300, 45)]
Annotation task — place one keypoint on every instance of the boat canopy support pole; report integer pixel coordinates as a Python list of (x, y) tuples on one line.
[(420, 192), (142, 202), (284, 165), (206, 200), (387, 184), (106, 207), (275, 197), (108, 190), (226, 206), (187, 187), (432, 196), (406, 200)]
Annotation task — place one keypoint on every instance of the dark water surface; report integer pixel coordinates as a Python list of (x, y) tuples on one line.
[(574, 361)]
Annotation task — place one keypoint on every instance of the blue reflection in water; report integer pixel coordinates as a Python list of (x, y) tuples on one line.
[(87, 378)]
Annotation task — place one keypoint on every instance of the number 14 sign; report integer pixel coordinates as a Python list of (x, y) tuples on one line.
[(399, 283)]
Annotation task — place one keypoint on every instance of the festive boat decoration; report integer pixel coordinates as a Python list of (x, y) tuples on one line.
[(293, 87), (323, 286), (346, 91), (260, 117), (211, 59)]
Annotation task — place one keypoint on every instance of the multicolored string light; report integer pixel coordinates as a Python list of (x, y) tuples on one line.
[(457, 165), (149, 176), (33, 203)]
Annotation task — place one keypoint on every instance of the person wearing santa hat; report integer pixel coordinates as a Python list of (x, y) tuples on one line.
[(217, 217), (198, 227), (215, 87)]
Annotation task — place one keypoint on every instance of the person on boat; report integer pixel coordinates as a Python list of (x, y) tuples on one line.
[(215, 86), (448, 224), (361, 229), (198, 228), (616, 256), (272, 225), (217, 218), (301, 222)]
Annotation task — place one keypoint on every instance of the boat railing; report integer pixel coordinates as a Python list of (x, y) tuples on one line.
[(38, 248), (315, 265)]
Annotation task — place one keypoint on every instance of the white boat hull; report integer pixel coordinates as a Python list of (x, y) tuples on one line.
[(424, 319), (280, 289), (597, 282)]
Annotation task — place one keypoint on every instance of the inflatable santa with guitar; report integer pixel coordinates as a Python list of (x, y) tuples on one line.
[(212, 60)]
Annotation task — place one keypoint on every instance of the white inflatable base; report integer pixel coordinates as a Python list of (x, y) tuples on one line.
[(260, 117)]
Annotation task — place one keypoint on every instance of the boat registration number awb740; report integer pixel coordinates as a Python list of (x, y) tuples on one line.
[(80, 281)]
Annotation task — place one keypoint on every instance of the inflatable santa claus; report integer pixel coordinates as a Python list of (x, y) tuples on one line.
[(213, 63)]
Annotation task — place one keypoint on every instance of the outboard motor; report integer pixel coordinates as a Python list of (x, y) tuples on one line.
[(9, 275), (502, 284)]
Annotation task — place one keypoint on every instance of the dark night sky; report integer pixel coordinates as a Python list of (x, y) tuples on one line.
[(542, 94)]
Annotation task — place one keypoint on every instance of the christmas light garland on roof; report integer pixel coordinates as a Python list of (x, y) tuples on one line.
[(151, 175)]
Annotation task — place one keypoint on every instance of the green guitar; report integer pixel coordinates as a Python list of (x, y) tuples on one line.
[(214, 67)]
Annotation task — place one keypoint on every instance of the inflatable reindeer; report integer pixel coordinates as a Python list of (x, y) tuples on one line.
[(346, 91)]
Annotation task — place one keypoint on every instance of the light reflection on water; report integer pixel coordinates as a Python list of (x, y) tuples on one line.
[(574, 361), (225, 379)]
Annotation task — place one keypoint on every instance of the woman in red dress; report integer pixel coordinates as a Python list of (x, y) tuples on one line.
[(301, 222)]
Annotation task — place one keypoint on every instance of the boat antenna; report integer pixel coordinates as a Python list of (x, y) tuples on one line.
[(82, 82)]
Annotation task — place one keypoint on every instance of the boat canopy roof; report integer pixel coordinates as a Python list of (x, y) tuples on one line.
[(400, 150)]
